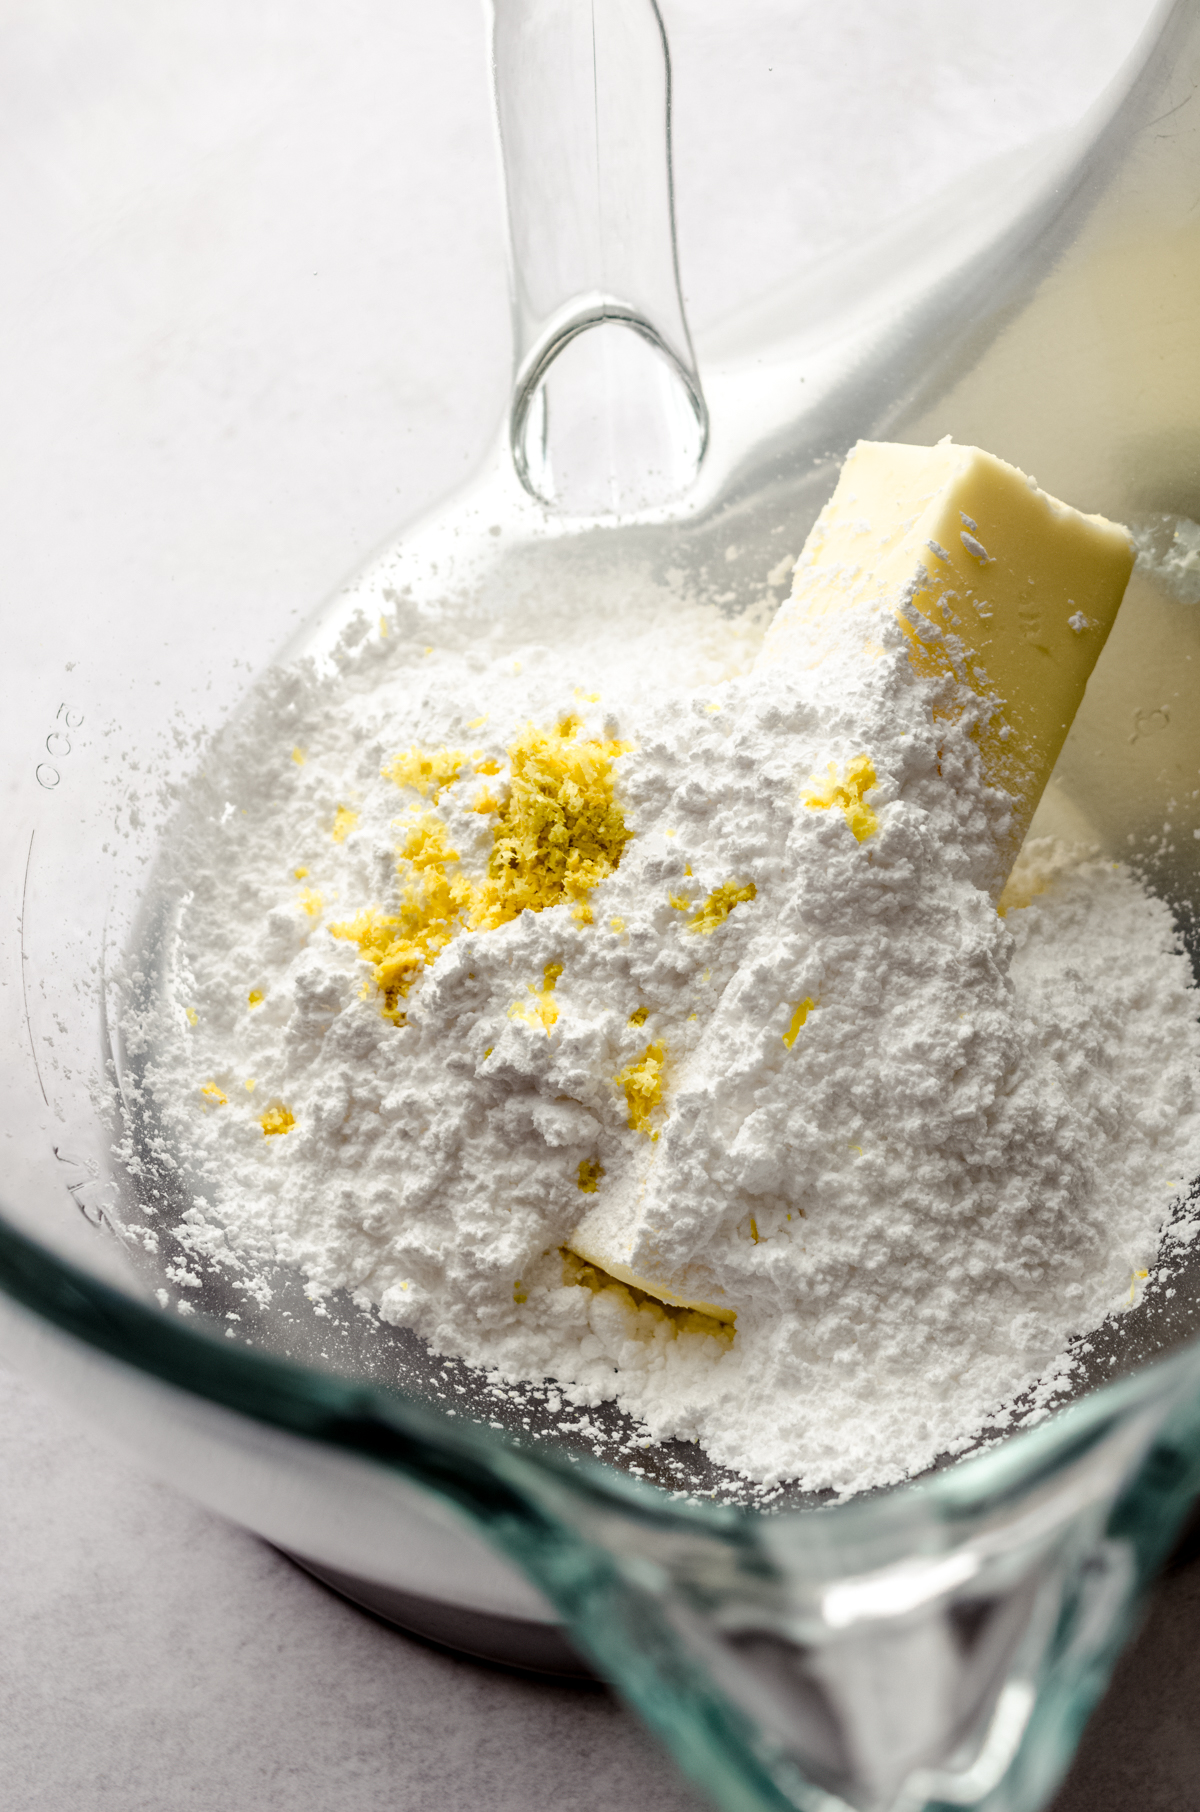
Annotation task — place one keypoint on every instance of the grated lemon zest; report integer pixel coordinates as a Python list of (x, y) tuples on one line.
[(803, 1009), (428, 771), (541, 1010), (561, 830), (643, 1085), (848, 796), (718, 906), (433, 900), (557, 835)]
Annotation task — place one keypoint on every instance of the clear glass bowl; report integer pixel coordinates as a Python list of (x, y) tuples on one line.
[(937, 1644)]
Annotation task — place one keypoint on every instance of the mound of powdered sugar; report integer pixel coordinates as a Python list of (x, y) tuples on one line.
[(916, 1145)]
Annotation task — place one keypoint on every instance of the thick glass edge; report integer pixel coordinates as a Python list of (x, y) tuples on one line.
[(461, 1460)]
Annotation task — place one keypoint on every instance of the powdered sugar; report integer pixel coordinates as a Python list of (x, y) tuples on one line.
[(916, 1146)]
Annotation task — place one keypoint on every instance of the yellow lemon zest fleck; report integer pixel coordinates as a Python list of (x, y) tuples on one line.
[(488, 1052), (477, 723), (712, 707), (668, 833), (643, 1085), (490, 766), (855, 1148), (516, 666), (561, 830), (718, 906), (428, 771), (1135, 1278), (277, 1119), (707, 976), (301, 874), (848, 796), (520, 1293), (592, 698), (251, 1085), (638, 1016), (688, 871), (193, 1017), (427, 845), (486, 802), (399, 945), (583, 915), (343, 823), (312, 902), (383, 627), (754, 1229), (298, 756), (590, 1172), (215, 1094), (541, 1010), (679, 901), (255, 997), (618, 925), (803, 1009)]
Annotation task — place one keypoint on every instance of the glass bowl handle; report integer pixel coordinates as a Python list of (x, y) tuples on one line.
[(583, 96)]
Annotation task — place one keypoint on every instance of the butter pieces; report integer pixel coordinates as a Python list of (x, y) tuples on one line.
[(600, 1239), (995, 583), (1000, 590)]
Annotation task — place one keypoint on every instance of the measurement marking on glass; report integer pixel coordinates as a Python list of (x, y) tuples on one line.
[(24, 985), (58, 744)]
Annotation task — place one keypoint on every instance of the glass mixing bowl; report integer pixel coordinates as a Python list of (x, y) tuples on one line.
[(937, 1644)]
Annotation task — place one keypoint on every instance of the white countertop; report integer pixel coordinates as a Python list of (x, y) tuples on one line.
[(258, 318)]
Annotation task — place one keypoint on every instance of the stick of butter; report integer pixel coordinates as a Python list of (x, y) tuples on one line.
[(993, 581), (598, 1241), (996, 584)]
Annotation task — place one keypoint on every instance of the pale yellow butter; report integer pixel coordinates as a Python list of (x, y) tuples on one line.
[(995, 583), (597, 1241)]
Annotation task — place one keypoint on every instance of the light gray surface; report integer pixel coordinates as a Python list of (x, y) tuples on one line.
[(254, 318), (154, 1659)]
